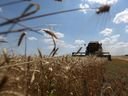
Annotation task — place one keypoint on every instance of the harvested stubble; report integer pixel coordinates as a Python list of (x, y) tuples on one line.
[(54, 76)]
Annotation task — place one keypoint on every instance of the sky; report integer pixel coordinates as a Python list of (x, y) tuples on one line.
[(73, 29)]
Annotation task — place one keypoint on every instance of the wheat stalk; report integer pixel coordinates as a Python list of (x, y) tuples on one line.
[(17, 64), (26, 11), (6, 56), (50, 33), (10, 93), (3, 41), (54, 53), (3, 81), (54, 48), (40, 54), (21, 38)]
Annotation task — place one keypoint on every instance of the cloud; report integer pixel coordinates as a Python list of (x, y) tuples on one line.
[(126, 29), (59, 34), (1, 10), (48, 41), (106, 41), (121, 17), (116, 49), (32, 38), (103, 1), (79, 42), (84, 7), (115, 36), (59, 42), (66, 48), (63, 44), (110, 40), (106, 32), (3, 38), (114, 46)]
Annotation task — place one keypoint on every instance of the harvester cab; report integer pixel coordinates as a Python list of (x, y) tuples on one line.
[(93, 48)]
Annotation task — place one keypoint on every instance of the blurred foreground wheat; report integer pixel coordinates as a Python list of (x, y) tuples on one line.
[(52, 76)]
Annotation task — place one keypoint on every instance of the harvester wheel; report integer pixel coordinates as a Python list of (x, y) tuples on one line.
[(109, 58)]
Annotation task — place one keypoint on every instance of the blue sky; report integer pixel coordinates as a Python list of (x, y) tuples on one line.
[(73, 28)]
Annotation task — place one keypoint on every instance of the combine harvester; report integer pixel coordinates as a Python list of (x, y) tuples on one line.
[(94, 48)]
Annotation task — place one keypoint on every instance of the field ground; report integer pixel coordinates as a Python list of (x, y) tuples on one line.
[(116, 66), (125, 58), (117, 75)]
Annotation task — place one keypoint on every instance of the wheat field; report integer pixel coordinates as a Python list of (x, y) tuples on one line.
[(51, 76), (60, 76)]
